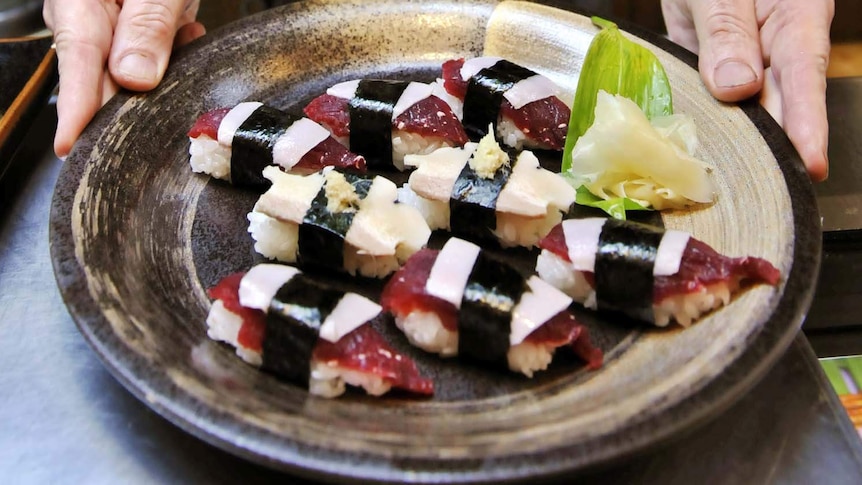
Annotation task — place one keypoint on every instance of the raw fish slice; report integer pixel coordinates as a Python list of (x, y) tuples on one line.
[(362, 356), (705, 279), (431, 117), (542, 123)]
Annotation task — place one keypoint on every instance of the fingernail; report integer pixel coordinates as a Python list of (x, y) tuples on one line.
[(733, 72), (137, 66)]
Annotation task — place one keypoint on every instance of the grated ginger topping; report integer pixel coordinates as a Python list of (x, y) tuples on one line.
[(340, 194), (488, 157)]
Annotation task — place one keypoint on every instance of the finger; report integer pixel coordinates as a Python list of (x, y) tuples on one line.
[(731, 61), (188, 33), (142, 42), (796, 39), (770, 96), (679, 24), (82, 48)]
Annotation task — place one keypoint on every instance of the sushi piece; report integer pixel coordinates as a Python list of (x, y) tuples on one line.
[(235, 144), (525, 108), (384, 120), (336, 220), (482, 191), (284, 322), (461, 301), (647, 273)]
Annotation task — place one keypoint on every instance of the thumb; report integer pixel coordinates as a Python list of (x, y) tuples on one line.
[(731, 61), (143, 41)]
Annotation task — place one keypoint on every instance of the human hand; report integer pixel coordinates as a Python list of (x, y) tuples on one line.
[(103, 45), (778, 48)]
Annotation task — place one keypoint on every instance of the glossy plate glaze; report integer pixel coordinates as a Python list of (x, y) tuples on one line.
[(137, 238)]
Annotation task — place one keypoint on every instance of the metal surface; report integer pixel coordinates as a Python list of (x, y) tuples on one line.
[(20, 17)]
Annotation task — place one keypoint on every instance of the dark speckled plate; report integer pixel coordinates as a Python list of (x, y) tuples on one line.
[(137, 237)]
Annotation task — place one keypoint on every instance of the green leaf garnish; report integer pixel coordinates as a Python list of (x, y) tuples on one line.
[(618, 66), (615, 207)]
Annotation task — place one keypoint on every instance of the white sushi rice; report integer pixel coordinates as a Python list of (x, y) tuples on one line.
[(329, 380), (223, 326), (528, 358), (511, 135), (273, 238), (435, 213), (684, 308), (518, 230), (405, 143), (425, 331), (208, 156)]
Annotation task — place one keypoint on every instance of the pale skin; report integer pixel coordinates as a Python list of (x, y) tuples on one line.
[(777, 49)]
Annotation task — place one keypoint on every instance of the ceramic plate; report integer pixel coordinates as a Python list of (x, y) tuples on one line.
[(137, 238)]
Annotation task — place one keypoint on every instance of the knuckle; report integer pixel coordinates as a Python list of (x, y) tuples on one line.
[(725, 25), (154, 20)]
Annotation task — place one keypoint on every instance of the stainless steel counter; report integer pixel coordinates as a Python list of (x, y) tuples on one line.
[(63, 418)]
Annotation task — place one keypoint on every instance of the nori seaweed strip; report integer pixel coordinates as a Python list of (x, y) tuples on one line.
[(624, 268), (485, 95), (293, 326), (371, 120), (321, 234), (484, 321), (473, 202), (252, 145)]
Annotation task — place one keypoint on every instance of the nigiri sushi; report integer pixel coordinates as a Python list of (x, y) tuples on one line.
[(647, 273), (284, 322), (384, 120), (525, 108), (461, 301), (235, 144), (481, 191), (336, 220)]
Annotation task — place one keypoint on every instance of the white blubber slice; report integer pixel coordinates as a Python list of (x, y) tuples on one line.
[(472, 66), (582, 241), (234, 119), (297, 140), (451, 269), (344, 90), (351, 312), (532, 89), (535, 308), (669, 253), (413, 93), (260, 284)]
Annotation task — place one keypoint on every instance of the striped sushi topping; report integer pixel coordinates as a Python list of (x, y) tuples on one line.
[(498, 308), (299, 312), (625, 259)]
